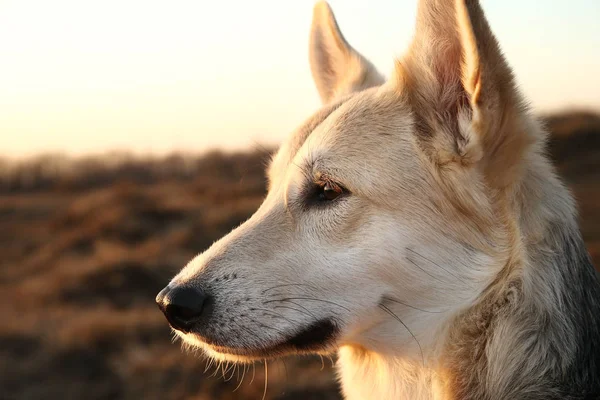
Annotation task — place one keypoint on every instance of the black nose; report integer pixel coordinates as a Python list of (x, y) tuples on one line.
[(181, 305)]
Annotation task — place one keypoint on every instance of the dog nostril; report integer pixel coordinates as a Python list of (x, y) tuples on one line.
[(183, 313), (181, 305), (160, 297)]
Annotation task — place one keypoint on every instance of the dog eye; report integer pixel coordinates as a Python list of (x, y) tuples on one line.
[(329, 191)]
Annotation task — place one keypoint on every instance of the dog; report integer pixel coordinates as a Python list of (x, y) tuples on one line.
[(413, 226)]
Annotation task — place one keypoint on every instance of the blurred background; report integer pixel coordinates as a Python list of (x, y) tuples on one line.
[(135, 133)]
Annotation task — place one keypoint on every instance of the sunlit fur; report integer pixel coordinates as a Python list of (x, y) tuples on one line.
[(452, 267)]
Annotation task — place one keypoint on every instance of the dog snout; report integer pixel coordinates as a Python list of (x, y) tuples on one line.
[(182, 306)]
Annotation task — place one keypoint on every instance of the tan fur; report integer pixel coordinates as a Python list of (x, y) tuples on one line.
[(337, 68), (428, 265)]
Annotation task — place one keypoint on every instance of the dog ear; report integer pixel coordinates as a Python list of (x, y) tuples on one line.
[(466, 106), (336, 67)]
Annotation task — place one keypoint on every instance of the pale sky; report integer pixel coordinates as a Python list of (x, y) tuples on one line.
[(155, 76)]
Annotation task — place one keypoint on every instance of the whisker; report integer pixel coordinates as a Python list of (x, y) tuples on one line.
[(311, 154), (223, 369), (209, 364), (307, 311), (390, 312), (236, 370), (417, 265), (309, 299), (234, 366), (287, 378), (284, 285), (332, 362), (409, 306), (322, 362), (217, 366), (266, 379), (304, 308), (434, 263), (304, 171), (277, 315), (292, 308), (253, 372), (241, 380), (226, 370)]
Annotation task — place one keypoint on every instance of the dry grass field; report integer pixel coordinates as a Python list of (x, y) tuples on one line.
[(87, 243)]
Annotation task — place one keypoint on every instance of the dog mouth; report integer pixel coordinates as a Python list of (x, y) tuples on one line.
[(316, 337)]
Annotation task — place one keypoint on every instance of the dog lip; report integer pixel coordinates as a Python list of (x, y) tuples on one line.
[(322, 331), (317, 336)]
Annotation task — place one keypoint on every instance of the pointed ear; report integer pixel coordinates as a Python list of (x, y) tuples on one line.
[(336, 67), (467, 108)]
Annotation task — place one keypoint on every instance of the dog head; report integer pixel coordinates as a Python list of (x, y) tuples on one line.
[(388, 210)]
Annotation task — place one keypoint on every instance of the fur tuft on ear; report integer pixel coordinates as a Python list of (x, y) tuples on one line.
[(336, 67), (462, 90)]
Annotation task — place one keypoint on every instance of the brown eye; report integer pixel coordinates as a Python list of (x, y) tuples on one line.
[(329, 192)]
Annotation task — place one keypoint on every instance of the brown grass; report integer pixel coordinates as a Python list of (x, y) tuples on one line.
[(87, 244)]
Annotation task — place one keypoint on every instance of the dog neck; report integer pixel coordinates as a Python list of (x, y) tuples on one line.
[(370, 375), (532, 334)]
